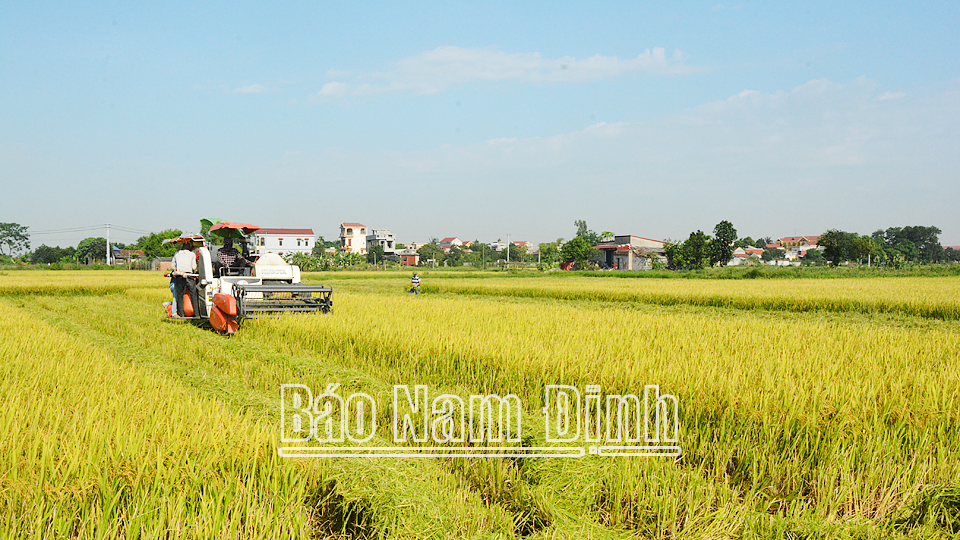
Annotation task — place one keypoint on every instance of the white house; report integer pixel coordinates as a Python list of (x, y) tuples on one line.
[(384, 238), (449, 242), (353, 237), (283, 241)]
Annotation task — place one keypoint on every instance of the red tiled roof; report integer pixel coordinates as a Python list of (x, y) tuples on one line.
[(773, 246), (810, 239), (306, 232), (449, 239), (353, 225)]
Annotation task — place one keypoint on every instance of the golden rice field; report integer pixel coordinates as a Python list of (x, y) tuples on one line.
[(937, 297), (808, 409)]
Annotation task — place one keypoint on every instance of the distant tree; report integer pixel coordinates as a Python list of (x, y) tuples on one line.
[(915, 243), (152, 244), (813, 257), (15, 237), (582, 229), (92, 249), (772, 254), (454, 257), (517, 253), (49, 255), (375, 254), (550, 252), (307, 263), (836, 245), (744, 242), (696, 250), (430, 251), (721, 247), (691, 254), (862, 248), (676, 258), (579, 250), (584, 232), (326, 243), (479, 254)]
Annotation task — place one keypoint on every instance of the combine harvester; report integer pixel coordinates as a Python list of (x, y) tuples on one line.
[(223, 297)]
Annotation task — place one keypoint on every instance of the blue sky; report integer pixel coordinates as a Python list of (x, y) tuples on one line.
[(480, 120)]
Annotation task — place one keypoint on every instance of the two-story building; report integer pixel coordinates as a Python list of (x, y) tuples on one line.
[(449, 242), (802, 242), (283, 241), (383, 238), (353, 237)]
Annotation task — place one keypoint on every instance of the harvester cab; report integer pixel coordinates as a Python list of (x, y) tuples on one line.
[(223, 295)]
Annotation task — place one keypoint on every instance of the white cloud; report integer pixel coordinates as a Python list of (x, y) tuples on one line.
[(337, 73), (891, 95), (334, 89), (433, 71), (798, 160), (251, 89)]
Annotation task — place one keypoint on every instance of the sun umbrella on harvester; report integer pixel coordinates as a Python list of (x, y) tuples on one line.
[(229, 229)]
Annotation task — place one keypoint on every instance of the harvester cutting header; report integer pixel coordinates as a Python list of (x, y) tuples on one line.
[(223, 289)]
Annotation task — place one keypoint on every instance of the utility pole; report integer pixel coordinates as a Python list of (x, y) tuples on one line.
[(508, 251)]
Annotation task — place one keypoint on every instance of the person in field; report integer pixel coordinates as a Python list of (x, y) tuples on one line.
[(415, 282), (184, 262), (230, 257)]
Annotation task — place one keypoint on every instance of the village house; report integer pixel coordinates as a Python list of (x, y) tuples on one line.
[(283, 241), (796, 247), (629, 252), (161, 264), (449, 242), (353, 238), (803, 242), (383, 238), (123, 256), (408, 257)]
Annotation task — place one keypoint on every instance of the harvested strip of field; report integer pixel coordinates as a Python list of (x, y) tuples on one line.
[(937, 297)]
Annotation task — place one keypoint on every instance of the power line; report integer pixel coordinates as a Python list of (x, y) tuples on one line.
[(73, 229), (91, 228)]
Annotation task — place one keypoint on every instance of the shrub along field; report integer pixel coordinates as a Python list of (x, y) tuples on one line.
[(815, 408)]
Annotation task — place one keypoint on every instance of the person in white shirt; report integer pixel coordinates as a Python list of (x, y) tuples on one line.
[(415, 281), (184, 262)]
